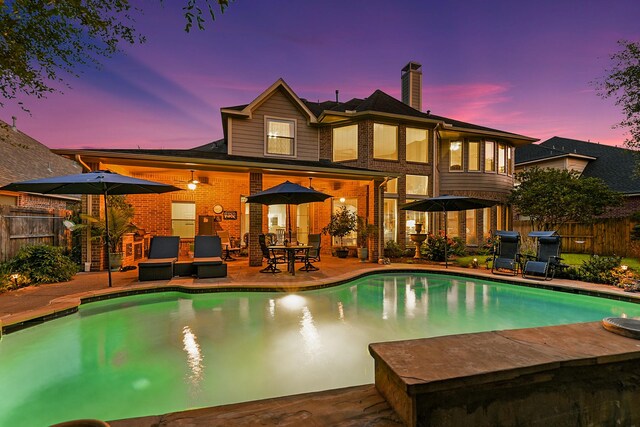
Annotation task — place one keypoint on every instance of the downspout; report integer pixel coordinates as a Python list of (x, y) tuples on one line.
[(86, 168), (381, 189), (435, 182)]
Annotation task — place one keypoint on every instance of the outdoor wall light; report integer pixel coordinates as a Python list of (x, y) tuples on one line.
[(342, 199)]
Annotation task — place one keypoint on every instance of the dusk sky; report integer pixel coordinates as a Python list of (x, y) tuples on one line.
[(522, 67)]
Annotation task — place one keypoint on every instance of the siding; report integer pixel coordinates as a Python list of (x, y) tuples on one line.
[(576, 164), (248, 134)]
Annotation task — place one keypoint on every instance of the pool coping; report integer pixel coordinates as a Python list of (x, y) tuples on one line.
[(69, 304)]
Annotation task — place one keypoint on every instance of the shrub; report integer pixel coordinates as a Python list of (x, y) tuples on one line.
[(393, 250), (599, 269), (434, 246), (42, 264)]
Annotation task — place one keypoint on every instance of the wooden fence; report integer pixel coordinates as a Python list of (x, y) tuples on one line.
[(604, 237), (20, 226)]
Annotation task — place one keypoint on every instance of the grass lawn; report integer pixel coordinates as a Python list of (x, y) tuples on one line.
[(571, 259)]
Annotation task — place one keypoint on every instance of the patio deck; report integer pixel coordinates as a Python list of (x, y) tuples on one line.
[(361, 405)]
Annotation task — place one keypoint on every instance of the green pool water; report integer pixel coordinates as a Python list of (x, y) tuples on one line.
[(152, 354)]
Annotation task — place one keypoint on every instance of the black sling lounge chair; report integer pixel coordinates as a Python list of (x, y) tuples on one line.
[(547, 260), (506, 252)]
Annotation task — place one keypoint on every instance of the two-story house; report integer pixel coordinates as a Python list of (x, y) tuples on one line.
[(372, 155)]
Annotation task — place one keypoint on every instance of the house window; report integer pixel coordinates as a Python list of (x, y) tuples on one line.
[(392, 186), (280, 138), (345, 143), (417, 145), (390, 219), (486, 224), (502, 167), (455, 156), (471, 228), (474, 156), (385, 142), (489, 156), (509, 161), (453, 227), (418, 185), (183, 219), (352, 206), (500, 225)]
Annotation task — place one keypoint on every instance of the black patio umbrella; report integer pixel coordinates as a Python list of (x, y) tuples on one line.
[(446, 204), (287, 193), (105, 182)]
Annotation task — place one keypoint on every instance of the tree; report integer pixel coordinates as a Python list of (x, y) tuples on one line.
[(552, 197), (623, 83), (42, 41)]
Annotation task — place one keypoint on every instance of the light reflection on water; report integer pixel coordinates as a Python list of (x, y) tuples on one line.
[(153, 354)]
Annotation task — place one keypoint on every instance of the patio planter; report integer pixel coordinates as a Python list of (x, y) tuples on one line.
[(342, 252), (115, 261)]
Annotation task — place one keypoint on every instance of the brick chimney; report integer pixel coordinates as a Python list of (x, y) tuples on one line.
[(412, 85)]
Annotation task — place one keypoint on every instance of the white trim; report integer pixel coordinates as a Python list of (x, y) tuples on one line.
[(280, 83), (295, 137), (229, 136)]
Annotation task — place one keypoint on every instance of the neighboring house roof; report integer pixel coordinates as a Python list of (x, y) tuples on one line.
[(23, 158), (615, 166)]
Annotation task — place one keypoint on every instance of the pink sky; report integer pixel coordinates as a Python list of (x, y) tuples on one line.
[(515, 66)]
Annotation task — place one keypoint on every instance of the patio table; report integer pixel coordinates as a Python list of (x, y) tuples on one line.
[(291, 254)]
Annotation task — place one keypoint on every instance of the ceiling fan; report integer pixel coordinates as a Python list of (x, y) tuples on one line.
[(193, 183)]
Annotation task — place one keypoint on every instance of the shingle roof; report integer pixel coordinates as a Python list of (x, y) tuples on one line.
[(615, 166), (23, 158), (381, 102)]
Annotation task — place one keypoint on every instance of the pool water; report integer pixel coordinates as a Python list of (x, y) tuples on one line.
[(152, 354)]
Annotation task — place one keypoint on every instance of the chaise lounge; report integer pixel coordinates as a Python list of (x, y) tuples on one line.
[(506, 252), (163, 253), (207, 259), (547, 260)]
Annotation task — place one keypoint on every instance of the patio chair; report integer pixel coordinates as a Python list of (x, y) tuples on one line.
[(547, 259), (207, 257), (506, 252), (163, 253), (272, 259), (312, 255), (225, 240)]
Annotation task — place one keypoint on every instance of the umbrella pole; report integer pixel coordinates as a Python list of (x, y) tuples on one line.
[(107, 243), (446, 242), (289, 221)]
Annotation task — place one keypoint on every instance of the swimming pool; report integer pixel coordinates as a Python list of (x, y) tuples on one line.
[(158, 353)]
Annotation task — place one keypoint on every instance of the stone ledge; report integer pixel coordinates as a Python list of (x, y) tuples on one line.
[(414, 375)]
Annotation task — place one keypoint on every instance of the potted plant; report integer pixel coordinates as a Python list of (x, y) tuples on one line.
[(364, 230), (342, 222), (120, 216)]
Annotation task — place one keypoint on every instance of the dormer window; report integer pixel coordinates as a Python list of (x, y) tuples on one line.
[(280, 138)]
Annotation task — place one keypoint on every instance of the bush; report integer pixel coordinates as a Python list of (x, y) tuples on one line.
[(599, 269), (434, 246), (393, 250), (42, 264)]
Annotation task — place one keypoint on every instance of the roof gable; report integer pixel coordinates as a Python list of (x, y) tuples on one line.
[(280, 84)]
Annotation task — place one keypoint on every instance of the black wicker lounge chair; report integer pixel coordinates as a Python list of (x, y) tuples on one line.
[(163, 253), (207, 257)]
